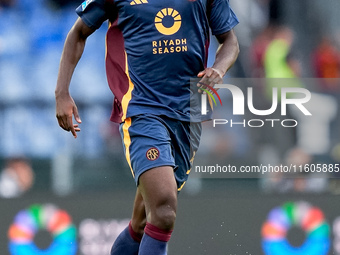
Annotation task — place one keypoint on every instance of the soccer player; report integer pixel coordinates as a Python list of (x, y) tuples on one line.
[(154, 49)]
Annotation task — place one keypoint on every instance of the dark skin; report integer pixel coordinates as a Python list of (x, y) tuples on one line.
[(156, 196), (73, 50), (226, 56)]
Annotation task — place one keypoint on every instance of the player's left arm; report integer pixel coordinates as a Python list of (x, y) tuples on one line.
[(226, 56)]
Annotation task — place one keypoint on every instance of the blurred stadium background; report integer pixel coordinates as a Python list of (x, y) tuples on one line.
[(88, 177)]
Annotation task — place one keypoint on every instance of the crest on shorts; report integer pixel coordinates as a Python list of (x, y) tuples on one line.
[(152, 154)]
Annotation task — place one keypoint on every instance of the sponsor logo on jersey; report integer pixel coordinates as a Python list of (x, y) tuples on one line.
[(168, 21), (169, 46)]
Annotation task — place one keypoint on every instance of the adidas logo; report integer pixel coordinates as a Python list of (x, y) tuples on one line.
[(134, 2)]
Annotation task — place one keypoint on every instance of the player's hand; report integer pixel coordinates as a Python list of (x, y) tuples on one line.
[(210, 76), (65, 110)]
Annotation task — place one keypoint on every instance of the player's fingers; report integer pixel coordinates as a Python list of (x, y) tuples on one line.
[(201, 74), (62, 123), (73, 131), (200, 83), (204, 80), (209, 78), (76, 128), (71, 127), (215, 79), (76, 114), (208, 83)]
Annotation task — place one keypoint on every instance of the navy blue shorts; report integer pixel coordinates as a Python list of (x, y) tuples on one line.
[(152, 141)]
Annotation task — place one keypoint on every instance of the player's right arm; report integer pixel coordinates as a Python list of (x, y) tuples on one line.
[(72, 52)]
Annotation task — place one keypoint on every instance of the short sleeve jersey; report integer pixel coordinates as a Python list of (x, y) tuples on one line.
[(154, 49)]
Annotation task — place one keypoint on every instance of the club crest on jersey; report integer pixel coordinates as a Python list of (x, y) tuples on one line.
[(85, 4), (152, 154)]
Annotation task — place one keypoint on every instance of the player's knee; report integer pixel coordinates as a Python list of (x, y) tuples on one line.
[(165, 217)]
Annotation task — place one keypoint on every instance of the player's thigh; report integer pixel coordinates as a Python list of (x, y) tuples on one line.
[(159, 190)]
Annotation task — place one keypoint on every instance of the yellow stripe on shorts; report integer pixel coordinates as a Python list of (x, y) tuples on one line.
[(127, 142)]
